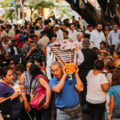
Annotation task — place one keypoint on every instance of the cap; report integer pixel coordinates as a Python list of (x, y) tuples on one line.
[(86, 42)]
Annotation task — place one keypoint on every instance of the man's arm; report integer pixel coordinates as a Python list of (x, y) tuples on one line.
[(80, 57), (60, 85), (109, 39), (79, 84), (29, 53)]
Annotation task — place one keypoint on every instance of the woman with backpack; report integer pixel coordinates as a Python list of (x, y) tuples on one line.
[(40, 81)]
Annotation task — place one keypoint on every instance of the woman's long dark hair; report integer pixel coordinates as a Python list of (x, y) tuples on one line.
[(34, 71), (116, 78), (4, 71)]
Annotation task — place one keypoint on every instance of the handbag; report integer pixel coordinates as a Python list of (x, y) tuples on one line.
[(39, 95), (74, 112), (116, 110)]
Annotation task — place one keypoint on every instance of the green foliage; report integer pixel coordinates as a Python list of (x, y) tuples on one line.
[(10, 14), (6, 3), (58, 1), (41, 4), (45, 4), (33, 4), (65, 11)]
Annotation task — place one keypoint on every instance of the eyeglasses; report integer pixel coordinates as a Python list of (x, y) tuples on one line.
[(55, 70)]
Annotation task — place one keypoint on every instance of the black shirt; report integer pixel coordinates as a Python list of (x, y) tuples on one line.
[(89, 58), (38, 55)]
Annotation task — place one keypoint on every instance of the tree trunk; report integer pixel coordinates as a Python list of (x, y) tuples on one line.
[(94, 16)]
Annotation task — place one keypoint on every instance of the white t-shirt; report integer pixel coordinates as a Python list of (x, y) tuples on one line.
[(97, 37), (11, 33), (59, 35), (49, 59), (95, 94), (73, 35)]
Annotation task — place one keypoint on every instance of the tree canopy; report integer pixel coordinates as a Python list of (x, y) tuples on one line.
[(6, 3), (41, 4)]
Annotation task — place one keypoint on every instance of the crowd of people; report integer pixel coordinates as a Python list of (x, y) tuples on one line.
[(26, 62)]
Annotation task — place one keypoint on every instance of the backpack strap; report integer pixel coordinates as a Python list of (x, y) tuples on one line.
[(117, 95), (116, 92), (40, 75)]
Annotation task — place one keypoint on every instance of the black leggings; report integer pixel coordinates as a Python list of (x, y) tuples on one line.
[(96, 111)]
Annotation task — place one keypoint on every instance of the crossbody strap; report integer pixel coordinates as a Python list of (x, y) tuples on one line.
[(117, 95), (40, 75), (116, 92)]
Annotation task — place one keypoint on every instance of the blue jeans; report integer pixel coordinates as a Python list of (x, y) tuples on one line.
[(62, 115)]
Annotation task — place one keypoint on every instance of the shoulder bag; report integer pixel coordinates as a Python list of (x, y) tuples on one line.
[(39, 95)]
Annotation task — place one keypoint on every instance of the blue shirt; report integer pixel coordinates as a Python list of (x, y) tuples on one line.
[(116, 95), (114, 36), (68, 97)]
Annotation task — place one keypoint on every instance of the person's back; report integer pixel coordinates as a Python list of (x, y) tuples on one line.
[(95, 93), (89, 58), (97, 86), (115, 91)]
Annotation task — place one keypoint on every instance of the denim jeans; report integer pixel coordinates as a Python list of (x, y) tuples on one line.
[(61, 115)]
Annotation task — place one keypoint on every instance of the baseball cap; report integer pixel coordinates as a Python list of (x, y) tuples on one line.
[(86, 42)]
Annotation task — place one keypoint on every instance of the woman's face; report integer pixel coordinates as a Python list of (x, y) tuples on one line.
[(106, 27), (28, 66), (115, 56), (9, 77), (102, 56)]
